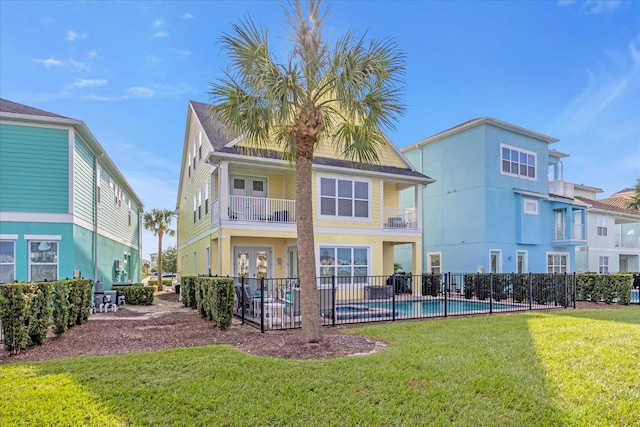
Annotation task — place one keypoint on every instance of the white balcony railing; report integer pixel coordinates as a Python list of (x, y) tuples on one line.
[(560, 232), (262, 209), (397, 219), (627, 241), (561, 188)]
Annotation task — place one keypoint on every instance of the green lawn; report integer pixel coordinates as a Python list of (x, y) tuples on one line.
[(566, 368)]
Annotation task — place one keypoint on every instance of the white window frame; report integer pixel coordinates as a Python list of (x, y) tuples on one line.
[(5, 261), (324, 270), (430, 267), (602, 228), (604, 264), (557, 268), (336, 198), (498, 254), (525, 261), (194, 208), (530, 206), (43, 239), (518, 163), (206, 197), (200, 145)]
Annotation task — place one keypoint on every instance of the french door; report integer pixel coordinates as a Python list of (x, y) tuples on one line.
[(253, 264)]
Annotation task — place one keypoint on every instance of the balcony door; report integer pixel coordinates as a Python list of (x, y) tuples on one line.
[(249, 202), (252, 264)]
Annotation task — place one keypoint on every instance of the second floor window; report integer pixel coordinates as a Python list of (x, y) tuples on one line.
[(344, 198), (517, 162), (601, 229)]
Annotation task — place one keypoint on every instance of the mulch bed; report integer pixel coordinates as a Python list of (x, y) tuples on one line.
[(122, 335)]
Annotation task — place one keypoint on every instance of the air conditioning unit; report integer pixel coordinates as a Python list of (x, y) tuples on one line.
[(118, 265)]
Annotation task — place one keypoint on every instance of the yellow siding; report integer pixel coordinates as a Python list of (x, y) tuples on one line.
[(201, 264), (276, 182), (390, 195), (387, 155)]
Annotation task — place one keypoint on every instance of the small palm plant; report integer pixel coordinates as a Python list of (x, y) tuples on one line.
[(159, 221)]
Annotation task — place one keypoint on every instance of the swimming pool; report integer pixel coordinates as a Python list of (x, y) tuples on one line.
[(635, 295), (416, 308)]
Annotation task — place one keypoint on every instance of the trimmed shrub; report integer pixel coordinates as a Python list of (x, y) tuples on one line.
[(15, 306), (469, 287), (60, 312), (188, 291), (214, 299), (39, 313), (154, 282), (604, 287), (137, 294), (520, 287)]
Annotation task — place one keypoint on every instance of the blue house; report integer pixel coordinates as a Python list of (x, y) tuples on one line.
[(499, 203), (65, 209)]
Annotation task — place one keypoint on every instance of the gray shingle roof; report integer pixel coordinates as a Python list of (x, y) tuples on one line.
[(219, 134), (7, 106)]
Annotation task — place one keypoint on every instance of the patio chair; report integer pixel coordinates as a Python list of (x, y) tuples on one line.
[(248, 300), (292, 305)]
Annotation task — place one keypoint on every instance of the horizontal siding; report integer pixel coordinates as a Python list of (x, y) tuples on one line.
[(34, 169), (387, 155), (113, 217), (83, 181)]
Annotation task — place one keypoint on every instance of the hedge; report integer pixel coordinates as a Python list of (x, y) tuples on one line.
[(26, 310), (165, 282), (211, 296), (541, 288), (604, 287), (137, 294)]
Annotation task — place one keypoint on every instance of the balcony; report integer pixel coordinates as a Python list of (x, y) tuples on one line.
[(256, 209), (632, 242), (560, 233), (400, 219), (561, 188)]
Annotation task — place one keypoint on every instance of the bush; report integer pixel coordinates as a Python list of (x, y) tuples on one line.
[(469, 290), (136, 295), (188, 291), (214, 299), (15, 309), (39, 313), (165, 282), (604, 287), (520, 287), (60, 312)]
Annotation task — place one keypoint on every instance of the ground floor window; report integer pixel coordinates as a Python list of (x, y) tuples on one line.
[(495, 261), (603, 264), (7, 261), (557, 262), (43, 260), (521, 260), (348, 264), (434, 263)]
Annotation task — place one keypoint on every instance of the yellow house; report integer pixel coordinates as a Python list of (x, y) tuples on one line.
[(237, 210)]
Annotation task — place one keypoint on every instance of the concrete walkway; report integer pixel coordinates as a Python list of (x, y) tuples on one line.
[(144, 312)]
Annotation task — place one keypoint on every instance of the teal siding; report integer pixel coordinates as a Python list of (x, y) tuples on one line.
[(34, 169), (83, 181), (109, 252)]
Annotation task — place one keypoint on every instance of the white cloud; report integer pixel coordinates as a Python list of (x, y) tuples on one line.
[(594, 7), (88, 83), (72, 36), (49, 62), (161, 34), (92, 97), (140, 92), (609, 86), (188, 16), (157, 23), (92, 54)]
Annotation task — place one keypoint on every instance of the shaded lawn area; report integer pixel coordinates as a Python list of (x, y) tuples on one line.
[(573, 368)]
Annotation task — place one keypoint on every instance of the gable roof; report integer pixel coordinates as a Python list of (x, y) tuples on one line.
[(469, 124), (220, 137), (612, 204), (7, 106)]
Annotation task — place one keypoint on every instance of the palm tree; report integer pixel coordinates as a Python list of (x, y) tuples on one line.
[(159, 221), (345, 96), (634, 202)]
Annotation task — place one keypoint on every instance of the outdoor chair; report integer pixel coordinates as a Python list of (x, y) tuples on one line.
[(292, 305), (248, 300)]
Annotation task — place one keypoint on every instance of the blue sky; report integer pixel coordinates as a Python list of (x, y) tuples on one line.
[(567, 69)]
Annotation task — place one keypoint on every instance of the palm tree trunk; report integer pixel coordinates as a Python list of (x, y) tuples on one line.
[(311, 322), (159, 288)]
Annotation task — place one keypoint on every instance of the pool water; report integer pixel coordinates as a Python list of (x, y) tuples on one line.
[(635, 296)]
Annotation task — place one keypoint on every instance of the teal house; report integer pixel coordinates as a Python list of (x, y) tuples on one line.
[(65, 209)]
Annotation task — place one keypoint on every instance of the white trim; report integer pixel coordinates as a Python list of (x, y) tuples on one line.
[(429, 266), (499, 266), (546, 261), (13, 242), (367, 246), (50, 237), (65, 218), (532, 208), (8, 237), (197, 238), (400, 232), (525, 265), (71, 171), (341, 218), (519, 150)]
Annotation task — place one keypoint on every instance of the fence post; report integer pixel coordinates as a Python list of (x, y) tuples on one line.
[(242, 302), (555, 289), (262, 304), (333, 300), (566, 291), (447, 280), (575, 289), (490, 293), (530, 292), (393, 298)]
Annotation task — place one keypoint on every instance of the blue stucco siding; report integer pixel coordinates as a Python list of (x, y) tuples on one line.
[(34, 169)]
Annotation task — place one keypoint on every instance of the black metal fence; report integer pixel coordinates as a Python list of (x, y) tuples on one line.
[(271, 304)]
